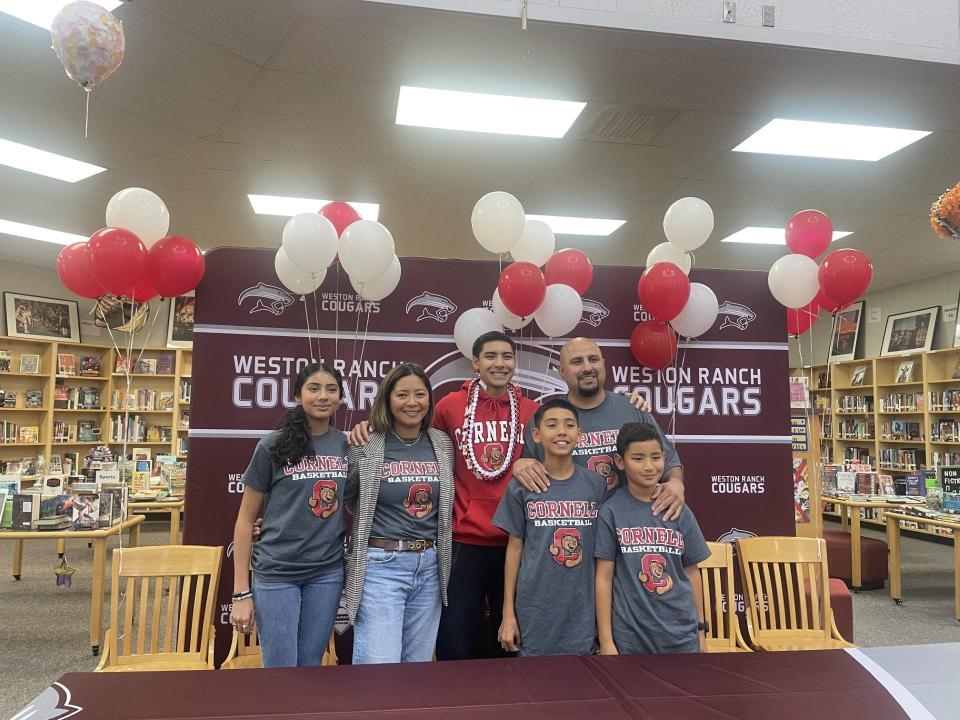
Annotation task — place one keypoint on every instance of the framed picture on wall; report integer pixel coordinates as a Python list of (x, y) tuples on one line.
[(846, 331), (909, 331), (180, 326), (30, 316)]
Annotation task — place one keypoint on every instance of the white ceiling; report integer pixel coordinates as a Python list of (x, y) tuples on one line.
[(221, 98)]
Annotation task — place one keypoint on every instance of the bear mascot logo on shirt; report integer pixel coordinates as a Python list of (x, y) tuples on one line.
[(566, 548), (492, 455), (324, 502), (419, 502), (654, 576), (603, 466)]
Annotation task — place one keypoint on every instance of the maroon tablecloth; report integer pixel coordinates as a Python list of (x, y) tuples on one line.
[(801, 685)]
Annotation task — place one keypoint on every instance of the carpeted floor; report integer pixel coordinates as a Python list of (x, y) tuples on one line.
[(43, 629)]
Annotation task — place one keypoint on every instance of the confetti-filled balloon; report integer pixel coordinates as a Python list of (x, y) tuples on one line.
[(88, 39)]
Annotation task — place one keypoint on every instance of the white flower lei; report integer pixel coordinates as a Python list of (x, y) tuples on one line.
[(473, 396)]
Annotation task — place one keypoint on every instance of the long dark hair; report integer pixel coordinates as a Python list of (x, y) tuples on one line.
[(381, 418), (294, 440)]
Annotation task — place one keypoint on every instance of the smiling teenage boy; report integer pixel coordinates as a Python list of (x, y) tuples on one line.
[(648, 593), (548, 601)]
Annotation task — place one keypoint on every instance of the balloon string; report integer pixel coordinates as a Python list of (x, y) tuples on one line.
[(353, 357), (86, 120), (306, 314), (336, 318), (676, 388), (316, 324), (363, 347)]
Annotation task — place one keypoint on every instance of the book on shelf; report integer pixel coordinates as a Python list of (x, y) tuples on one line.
[(867, 483), (146, 366), (185, 387), (140, 454), (915, 484), (846, 481), (956, 370), (26, 511), (30, 363), (56, 464), (86, 511), (165, 364), (166, 400), (105, 517), (123, 364), (859, 373), (30, 434), (90, 365), (33, 398), (88, 430), (5, 361), (886, 484), (905, 371), (66, 364), (823, 381), (945, 400)]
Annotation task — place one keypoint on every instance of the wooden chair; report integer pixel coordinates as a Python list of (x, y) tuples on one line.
[(245, 652), (175, 602), (719, 608), (778, 574)]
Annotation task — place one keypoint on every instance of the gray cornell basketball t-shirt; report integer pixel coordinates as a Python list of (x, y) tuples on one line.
[(409, 491), (302, 532), (554, 601)]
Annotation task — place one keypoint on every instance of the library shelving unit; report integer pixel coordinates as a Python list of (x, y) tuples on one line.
[(75, 410), (900, 412)]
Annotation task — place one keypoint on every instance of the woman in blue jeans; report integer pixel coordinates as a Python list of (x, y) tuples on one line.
[(400, 489), (297, 476)]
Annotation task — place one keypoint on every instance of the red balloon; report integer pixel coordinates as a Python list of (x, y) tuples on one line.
[(118, 259), (845, 275), (802, 319), (664, 289), (341, 214), (568, 267), (826, 303), (74, 270), (809, 233), (522, 288), (653, 344), (176, 265), (143, 292)]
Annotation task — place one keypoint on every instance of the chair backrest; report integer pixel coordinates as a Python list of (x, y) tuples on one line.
[(719, 606), (778, 574), (169, 617)]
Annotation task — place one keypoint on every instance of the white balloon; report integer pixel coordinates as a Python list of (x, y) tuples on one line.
[(295, 279), (366, 250), (793, 280), (471, 325), (560, 311), (310, 241), (498, 221), (507, 318), (668, 252), (699, 314), (688, 223), (141, 212), (380, 286), (536, 245)]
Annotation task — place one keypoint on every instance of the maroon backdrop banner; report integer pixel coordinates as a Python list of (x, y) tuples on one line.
[(726, 403)]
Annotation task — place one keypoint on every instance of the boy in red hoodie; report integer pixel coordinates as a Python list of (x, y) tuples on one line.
[(486, 419)]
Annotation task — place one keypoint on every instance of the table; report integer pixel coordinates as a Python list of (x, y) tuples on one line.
[(173, 508), (842, 685), (893, 541), (850, 516), (99, 540)]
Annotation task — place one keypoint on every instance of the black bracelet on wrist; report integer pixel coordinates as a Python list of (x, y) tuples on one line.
[(246, 595)]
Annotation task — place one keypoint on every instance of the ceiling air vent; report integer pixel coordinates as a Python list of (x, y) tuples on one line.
[(621, 123)]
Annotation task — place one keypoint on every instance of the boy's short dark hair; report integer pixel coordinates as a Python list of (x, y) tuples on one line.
[(633, 432), (492, 336), (550, 405)]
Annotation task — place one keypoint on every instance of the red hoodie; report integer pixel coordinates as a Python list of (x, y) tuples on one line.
[(476, 499)]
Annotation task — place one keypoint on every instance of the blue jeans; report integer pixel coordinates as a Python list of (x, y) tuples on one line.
[(400, 608), (295, 619)]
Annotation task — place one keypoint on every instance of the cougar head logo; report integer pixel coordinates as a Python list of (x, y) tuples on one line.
[(269, 299), (594, 312), (432, 306), (736, 315)]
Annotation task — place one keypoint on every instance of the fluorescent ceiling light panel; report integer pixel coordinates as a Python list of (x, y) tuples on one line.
[(41, 162), (828, 140), (478, 112), (9, 227), (290, 206), (769, 236), (42, 12), (578, 225)]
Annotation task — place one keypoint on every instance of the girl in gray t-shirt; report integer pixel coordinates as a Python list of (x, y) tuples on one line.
[(297, 477)]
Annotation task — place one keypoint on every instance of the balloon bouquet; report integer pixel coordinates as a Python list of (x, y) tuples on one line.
[(128, 264), (677, 305), (552, 296)]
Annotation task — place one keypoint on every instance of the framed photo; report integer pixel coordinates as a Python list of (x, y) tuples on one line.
[(909, 332), (846, 332), (29, 316), (180, 326), (905, 371)]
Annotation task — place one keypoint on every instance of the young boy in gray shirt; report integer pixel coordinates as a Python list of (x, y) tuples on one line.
[(548, 601), (648, 593)]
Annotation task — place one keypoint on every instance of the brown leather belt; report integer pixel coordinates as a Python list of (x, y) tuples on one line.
[(401, 545)]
